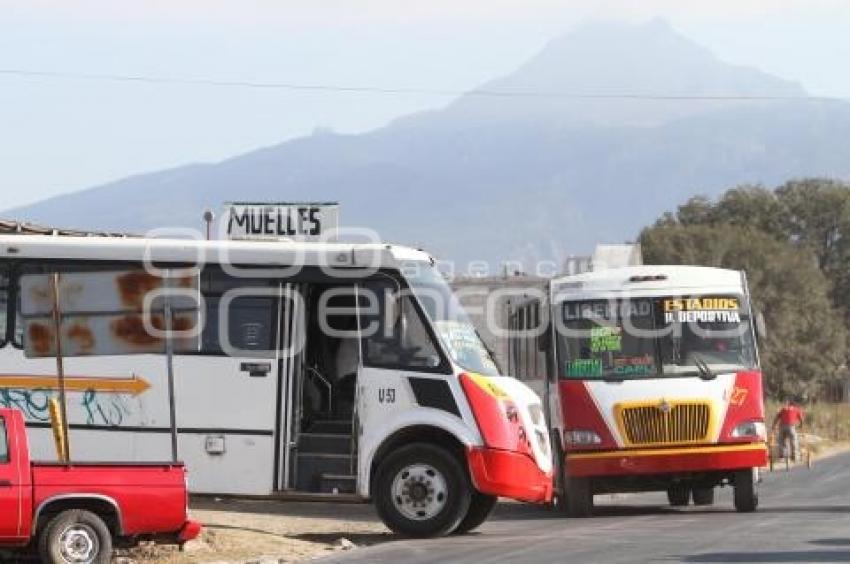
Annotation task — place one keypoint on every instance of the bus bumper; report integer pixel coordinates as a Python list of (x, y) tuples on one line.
[(509, 474), (667, 461)]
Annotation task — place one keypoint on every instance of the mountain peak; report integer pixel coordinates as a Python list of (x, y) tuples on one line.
[(509, 177), (606, 59)]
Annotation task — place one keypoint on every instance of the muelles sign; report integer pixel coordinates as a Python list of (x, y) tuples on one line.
[(279, 221)]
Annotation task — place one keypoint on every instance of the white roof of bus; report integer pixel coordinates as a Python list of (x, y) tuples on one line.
[(648, 280), (191, 251)]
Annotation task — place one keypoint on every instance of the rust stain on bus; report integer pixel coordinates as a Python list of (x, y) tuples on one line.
[(131, 328), (43, 295), (82, 336), (133, 286), (41, 338), (40, 294)]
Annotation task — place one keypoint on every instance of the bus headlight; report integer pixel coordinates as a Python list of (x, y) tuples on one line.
[(749, 429), (582, 437)]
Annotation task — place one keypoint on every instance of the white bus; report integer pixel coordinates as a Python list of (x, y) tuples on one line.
[(651, 380), (327, 369)]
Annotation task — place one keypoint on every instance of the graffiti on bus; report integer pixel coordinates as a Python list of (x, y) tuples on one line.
[(107, 409)]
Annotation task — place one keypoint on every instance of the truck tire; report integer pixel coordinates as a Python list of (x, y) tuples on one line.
[(422, 490), (579, 497), (746, 491), (480, 508), (75, 536), (678, 495), (703, 496)]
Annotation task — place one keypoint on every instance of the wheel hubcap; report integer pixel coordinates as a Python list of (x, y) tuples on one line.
[(78, 544), (419, 492)]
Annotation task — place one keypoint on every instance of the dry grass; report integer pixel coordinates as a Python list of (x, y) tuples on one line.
[(830, 421), (827, 425)]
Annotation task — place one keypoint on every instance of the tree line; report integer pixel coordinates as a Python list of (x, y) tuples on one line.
[(794, 244)]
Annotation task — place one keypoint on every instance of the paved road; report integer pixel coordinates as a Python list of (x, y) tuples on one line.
[(804, 516)]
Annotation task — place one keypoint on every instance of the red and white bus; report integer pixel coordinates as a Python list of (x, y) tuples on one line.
[(651, 381), (306, 369)]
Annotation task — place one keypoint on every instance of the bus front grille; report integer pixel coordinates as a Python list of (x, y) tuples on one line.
[(664, 423)]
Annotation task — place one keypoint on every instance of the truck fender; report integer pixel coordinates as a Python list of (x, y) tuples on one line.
[(67, 502)]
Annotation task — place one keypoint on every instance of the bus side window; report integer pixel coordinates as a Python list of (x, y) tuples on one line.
[(4, 307), (512, 343), (394, 334), (531, 343), (251, 315), (528, 372), (520, 343), (4, 445), (15, 320), (249, 331)]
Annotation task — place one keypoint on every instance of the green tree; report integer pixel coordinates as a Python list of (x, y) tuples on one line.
[(816, 215), (805, 340), (811, 213)]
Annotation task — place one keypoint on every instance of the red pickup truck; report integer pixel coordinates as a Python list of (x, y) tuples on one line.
[(76, 513)]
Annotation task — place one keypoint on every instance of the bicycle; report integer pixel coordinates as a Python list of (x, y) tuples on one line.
[(782, 451)]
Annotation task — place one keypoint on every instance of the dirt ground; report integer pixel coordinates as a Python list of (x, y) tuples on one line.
[(269, 531)]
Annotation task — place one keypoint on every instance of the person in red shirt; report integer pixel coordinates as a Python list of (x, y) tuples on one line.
[(789, 417)]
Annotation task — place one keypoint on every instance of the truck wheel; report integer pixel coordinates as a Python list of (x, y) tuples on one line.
[(422, 490), (480, 508), (579, 497), (746, 491), (678, 495), (703, 496), (75, 536)]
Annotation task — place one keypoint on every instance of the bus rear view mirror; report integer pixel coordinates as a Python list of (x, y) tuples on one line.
[(761, 327)]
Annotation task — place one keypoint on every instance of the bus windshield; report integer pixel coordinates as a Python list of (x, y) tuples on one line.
[(452, 325), (653, 337)]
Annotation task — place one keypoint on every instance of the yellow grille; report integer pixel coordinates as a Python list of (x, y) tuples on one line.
[(663, 423)]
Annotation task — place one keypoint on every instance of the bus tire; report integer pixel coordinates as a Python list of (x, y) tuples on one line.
[(75, 535), (421, 490), (559, 477), (480, 508), (746, 491), (703, 496), (579, 502), (678, 495)]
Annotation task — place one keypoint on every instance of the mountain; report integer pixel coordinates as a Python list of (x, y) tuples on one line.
[(517, 169)]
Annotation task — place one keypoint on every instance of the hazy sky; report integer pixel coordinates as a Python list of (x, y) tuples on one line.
[(58, 135)]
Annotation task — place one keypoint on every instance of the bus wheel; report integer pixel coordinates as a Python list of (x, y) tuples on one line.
[(678, 495), (703, 496), (422, 491), (480, 508), (579, 497), (746, 492)]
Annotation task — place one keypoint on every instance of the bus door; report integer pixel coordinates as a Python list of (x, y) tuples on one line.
[(320, 360), (291, 344)]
